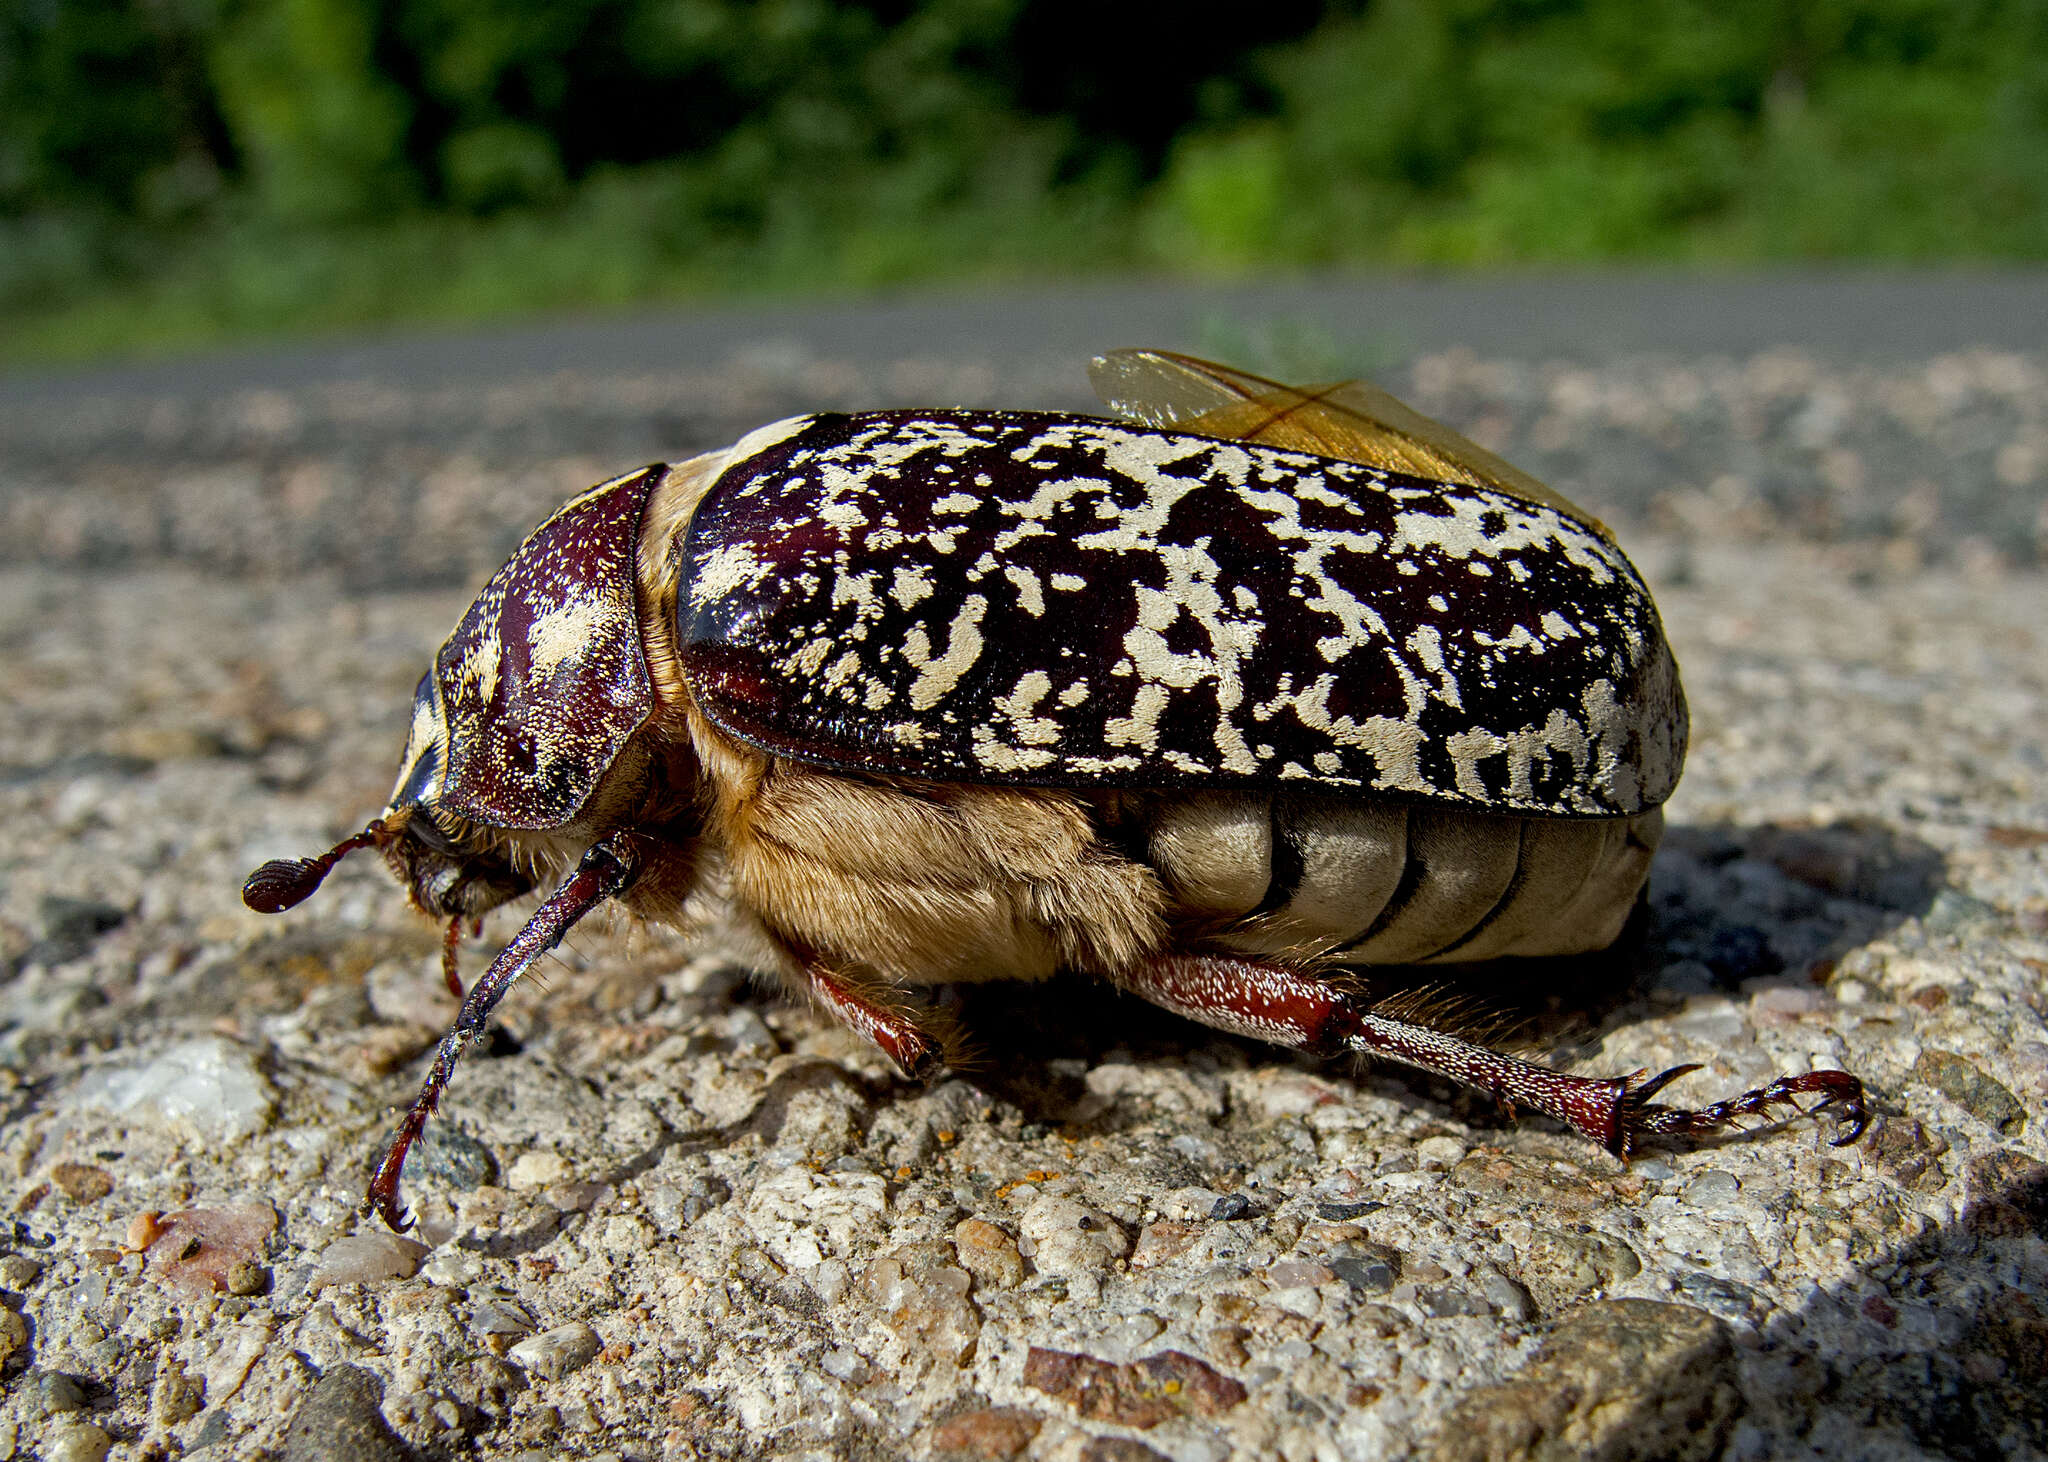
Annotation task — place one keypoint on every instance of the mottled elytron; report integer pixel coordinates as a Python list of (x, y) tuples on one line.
[(1216, 702)]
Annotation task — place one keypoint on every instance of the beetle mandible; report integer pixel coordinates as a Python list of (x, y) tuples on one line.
[(1215, 702)]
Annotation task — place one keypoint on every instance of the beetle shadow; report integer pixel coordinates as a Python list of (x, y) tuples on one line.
[(1729, 908), (1936, 1342)]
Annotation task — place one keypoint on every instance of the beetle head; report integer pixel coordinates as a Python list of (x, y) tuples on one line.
[(523, 714)]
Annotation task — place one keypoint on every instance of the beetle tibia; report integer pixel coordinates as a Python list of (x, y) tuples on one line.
[(606, 870)]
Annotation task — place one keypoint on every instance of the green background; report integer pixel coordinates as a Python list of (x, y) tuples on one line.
[(178, 171)]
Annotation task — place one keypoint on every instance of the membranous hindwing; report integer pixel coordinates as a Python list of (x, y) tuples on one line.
[(1057, 600), (545, 679)]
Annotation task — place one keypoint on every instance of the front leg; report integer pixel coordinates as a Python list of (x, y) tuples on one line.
[(1293, 1007)]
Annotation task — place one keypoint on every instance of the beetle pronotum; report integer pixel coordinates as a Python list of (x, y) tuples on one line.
[(1215, 702)]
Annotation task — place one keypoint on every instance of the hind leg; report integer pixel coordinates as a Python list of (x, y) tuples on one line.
[(1293, 1007)]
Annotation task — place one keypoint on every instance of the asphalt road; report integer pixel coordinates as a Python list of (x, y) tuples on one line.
[(1873, 315)]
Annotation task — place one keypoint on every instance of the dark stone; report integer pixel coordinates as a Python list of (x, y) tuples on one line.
[(1367, 1276), (1969, 1088), (1120, 1449), (1621, 1380), (1909, 1151), (2008, 1195), (452, 1156), (1448, 1303), (52, 1393), (339, 1421), (1231, 1206), (1345, 1212)]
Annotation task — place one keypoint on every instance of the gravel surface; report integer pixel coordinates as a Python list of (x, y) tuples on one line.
[(666, 1217)]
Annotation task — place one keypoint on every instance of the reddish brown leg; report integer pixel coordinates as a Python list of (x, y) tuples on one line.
[(918, 1053), (1293, 1008), (451, 969), (606, 871)]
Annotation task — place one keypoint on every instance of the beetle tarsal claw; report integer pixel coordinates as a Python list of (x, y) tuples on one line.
[(1839, 1091)]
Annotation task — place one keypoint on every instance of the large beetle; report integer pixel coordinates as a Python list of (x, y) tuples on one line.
[(1217, 702)]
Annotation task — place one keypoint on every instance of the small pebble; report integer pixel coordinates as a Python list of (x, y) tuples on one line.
[(340, 1420), (1508, 1297), (1367, 1276), (245, 1278), (52, 1393), (13, 1333), (1965, 1083), (178, 1396), (536, 1170), (1231, 1206), (1449, 1302), (82, 1183), (1344, 1212), (78, 1442), (1713, 1188), (453, 1269), (1953, 912), (144, 1229), (18, 1271), (556, 1353), (211, 1086), (1443, 1151), (1297, 1273), (367, 1259), (452, 1156), (500, 1317)]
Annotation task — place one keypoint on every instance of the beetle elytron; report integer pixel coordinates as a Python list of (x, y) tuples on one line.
[(1213, 702)]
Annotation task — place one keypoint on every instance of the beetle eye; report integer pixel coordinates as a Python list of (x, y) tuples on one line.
[(418, 783)]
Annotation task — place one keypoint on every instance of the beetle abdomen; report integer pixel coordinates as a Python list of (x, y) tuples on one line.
[(1393, 883)]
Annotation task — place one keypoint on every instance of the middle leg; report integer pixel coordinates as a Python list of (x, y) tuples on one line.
[(917, 1043)]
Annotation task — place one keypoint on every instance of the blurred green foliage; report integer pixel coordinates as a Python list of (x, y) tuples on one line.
[(173, 170)]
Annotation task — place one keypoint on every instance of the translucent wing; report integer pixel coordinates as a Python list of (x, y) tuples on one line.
[(1352, 420)]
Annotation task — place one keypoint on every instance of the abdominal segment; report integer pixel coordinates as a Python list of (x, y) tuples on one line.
[(1366, 882)]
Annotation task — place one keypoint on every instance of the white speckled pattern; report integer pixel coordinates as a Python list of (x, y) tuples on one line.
[(1062, 600)]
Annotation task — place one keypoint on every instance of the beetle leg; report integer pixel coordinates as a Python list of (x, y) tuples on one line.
[(451, 963), (1293, 1007), (917, 1052), (1838, 1090), (606, 871)]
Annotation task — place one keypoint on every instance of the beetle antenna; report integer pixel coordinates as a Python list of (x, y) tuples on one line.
[(284, 882)]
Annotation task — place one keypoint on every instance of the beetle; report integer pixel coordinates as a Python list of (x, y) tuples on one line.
[(1249, 688)]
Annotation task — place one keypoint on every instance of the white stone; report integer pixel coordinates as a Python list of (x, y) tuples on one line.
[(367, 1259), (210, 1087), (555, 1353)]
